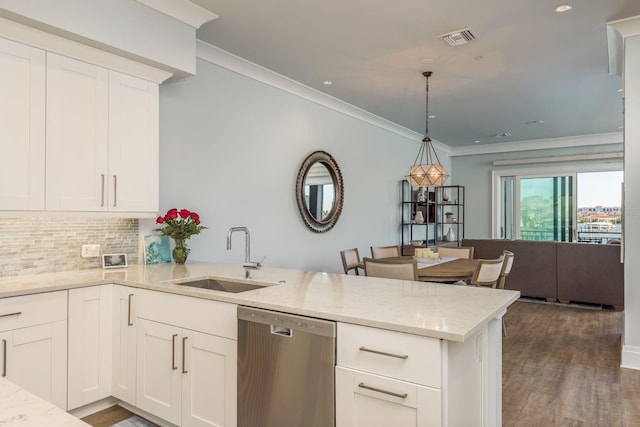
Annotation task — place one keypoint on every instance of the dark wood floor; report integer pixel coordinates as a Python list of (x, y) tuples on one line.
[(108, 417), (561, 367)]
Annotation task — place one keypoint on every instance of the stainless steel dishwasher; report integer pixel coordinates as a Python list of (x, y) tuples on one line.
[(285, 370)]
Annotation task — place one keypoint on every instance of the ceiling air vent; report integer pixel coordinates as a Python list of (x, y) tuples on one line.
[(458, 37)]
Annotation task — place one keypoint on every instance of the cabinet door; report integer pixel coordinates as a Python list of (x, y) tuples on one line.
[(367, 400), (209, 380), (90, 344), (77, 135), (158, 389), (124, 343), (35, 358), (22, 126), (133, 144)]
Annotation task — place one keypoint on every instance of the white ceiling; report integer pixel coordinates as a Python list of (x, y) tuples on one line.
[(529, 63)]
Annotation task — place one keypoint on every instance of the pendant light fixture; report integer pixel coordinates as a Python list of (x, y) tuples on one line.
[(427, 171)]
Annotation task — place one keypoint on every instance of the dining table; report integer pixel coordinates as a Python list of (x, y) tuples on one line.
[(447, 269)]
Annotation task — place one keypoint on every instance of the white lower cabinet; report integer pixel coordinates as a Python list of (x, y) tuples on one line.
[(388, 378), (186, 377), (90, 344), (125, 324), (33, 336), (367, 400)]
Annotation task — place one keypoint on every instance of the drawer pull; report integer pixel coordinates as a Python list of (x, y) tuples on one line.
[(17, 313), (173, 352), (379, 390), (384, 353), (129, 323), (184, 351), (4, 358)]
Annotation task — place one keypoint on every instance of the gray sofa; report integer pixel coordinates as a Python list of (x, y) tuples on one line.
[(567, 272)]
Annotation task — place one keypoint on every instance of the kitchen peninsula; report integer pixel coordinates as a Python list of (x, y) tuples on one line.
[(461, 326)]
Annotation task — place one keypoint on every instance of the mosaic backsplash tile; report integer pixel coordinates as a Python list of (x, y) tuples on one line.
[(43, 245)]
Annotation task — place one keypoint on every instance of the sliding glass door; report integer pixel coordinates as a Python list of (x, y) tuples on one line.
[(546, 208), (563, 206)]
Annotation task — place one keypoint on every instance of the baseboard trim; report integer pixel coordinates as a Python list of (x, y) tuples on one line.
[(92, 408), (630, 357)]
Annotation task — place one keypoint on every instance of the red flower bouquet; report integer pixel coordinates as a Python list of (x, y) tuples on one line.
[(180, 225)]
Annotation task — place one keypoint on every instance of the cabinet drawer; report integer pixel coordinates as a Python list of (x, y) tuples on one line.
[(393, 354), (30, 310), (210, 317), (369, 400)]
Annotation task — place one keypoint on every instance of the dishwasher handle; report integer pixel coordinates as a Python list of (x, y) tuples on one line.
[(281, 331)]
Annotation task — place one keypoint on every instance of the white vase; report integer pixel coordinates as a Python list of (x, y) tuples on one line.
[(450, 237), (419, 219)]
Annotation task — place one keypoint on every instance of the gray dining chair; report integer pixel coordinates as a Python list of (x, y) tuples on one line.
[(487, 272), (351, 261), (402, 268), (455, 251), (378, 252)]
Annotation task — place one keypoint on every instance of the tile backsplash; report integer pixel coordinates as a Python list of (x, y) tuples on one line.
[(42, 245)]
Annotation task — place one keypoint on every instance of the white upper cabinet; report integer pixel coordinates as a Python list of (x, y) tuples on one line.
[(133, 144), (77, 135), (102, 139), (22, 126)]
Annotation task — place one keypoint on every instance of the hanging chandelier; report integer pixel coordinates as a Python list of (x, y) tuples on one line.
[(427, 171)]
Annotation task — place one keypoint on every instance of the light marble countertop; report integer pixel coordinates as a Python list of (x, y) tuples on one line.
[(430, 309), (19, 408)]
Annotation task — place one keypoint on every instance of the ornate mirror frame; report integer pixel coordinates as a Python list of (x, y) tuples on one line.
[(327, 223)]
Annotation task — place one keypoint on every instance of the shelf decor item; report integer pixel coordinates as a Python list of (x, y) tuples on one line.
[(419, 218), (427, 171), (180, 226), (450, 236)]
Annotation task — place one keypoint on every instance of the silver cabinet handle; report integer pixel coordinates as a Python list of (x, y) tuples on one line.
[(4, 358), (173, 352), (17, 313), (184, 346), (115, 190), (379, 390), (384, 353), (129, 323), (102, 190)]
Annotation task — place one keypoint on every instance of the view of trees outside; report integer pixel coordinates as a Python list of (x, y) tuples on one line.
[(546, 208), (548, 205)]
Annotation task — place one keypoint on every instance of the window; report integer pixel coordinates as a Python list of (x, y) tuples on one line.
[(584, 206)]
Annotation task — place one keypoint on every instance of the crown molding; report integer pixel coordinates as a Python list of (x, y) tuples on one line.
[(53, 43), (627, 27), (540, 144), (182, 10), (222, 58)]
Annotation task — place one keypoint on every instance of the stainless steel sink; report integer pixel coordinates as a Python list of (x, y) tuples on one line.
[(221, 285)]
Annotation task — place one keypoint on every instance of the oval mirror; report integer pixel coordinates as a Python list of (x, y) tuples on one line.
[(319, 191)]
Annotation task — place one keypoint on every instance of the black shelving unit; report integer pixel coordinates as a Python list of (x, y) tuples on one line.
[(436, 203), (449, 215)]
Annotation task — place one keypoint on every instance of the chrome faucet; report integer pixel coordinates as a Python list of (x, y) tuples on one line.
[(248, 265)]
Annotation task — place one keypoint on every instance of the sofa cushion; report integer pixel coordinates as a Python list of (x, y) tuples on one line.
[(590, 273)]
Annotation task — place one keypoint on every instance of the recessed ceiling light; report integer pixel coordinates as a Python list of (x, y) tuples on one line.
[(502, 135), (620, 127), (327, 82), (432, 117), (427, 60), (620, 90), (476, 141), (534, 122), (563, 8)]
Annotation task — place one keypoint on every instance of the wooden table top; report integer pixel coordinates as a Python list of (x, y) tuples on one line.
[(457, 269)]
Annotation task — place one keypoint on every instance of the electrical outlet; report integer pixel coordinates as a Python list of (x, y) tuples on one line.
[(90, 251)]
